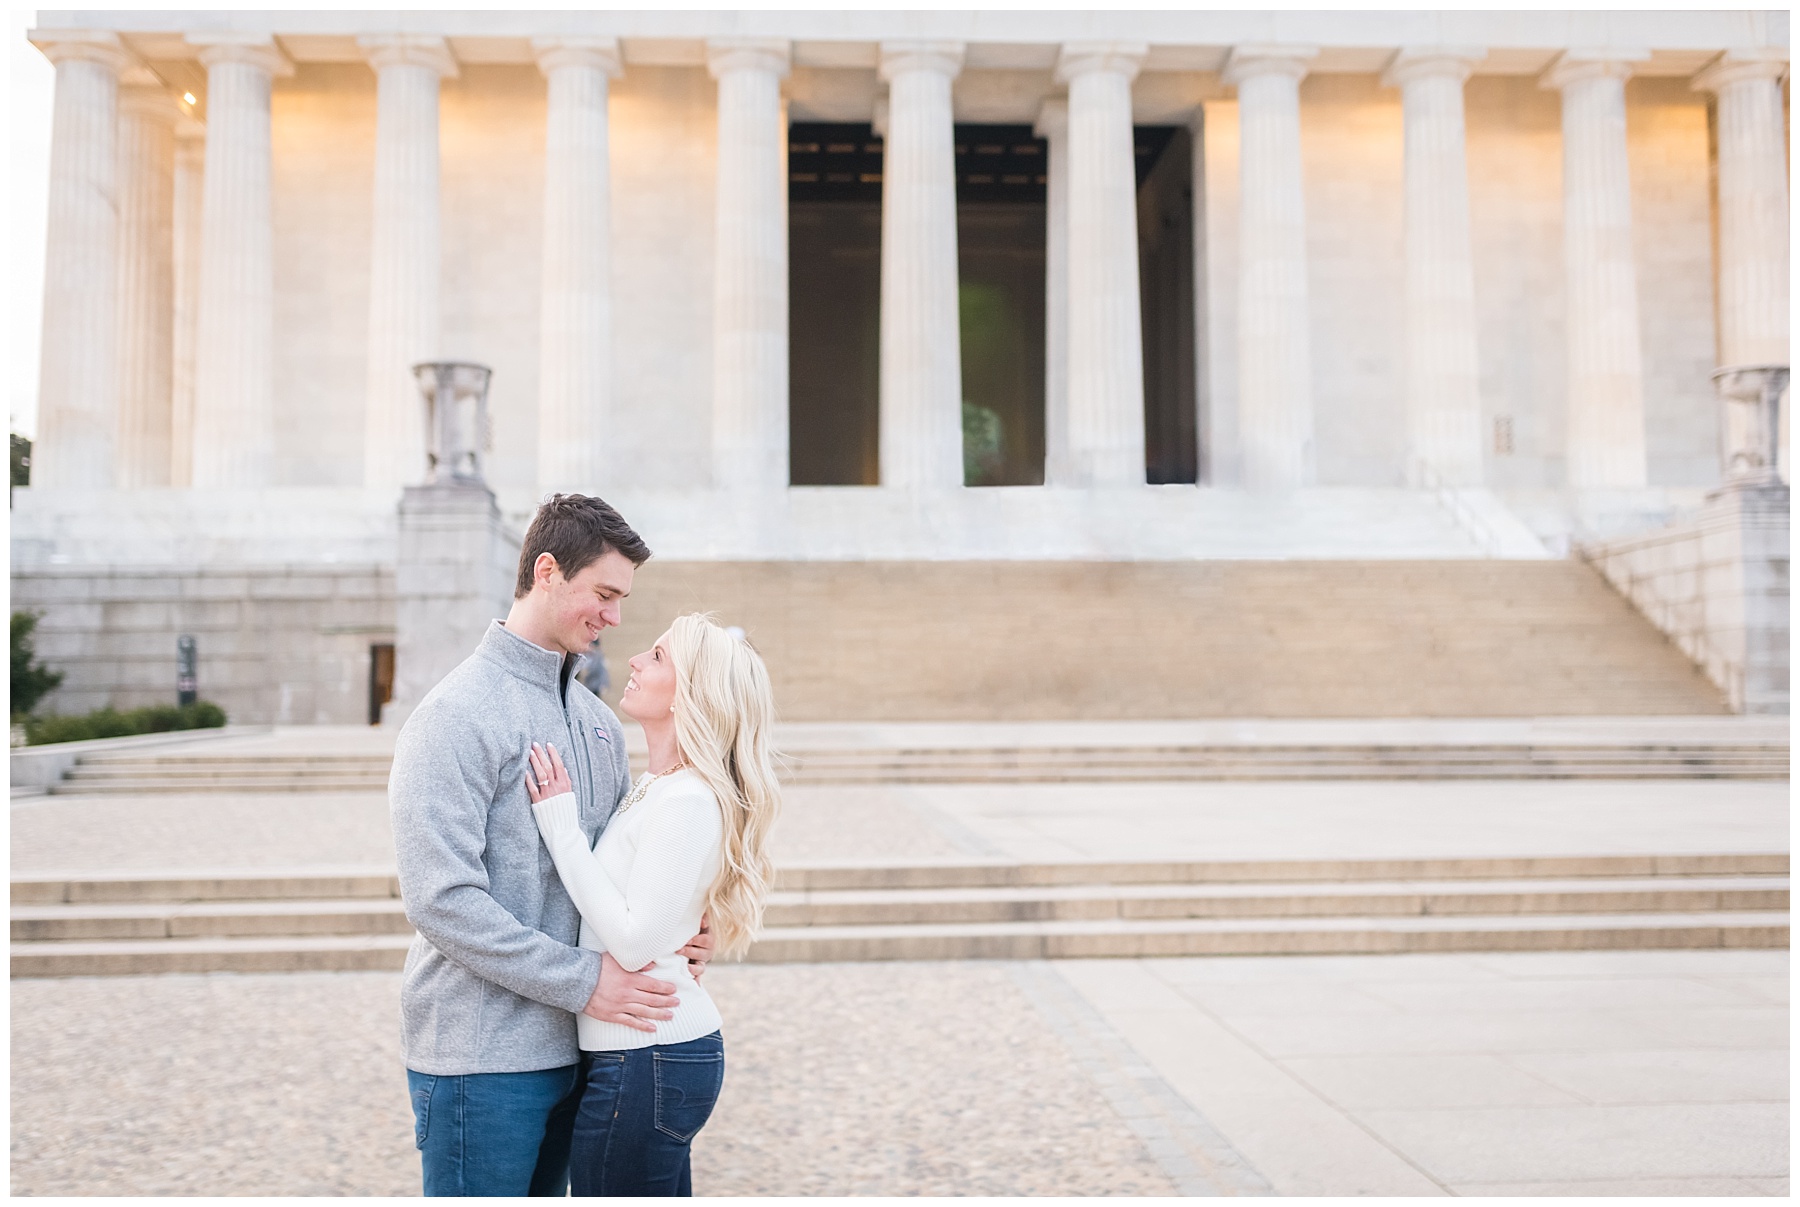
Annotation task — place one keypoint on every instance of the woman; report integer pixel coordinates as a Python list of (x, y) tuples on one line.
[(690, 839)]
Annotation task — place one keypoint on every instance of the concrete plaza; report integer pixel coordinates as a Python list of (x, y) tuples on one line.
[(1576, 1072)]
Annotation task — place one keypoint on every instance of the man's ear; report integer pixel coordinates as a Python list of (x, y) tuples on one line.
[(542, 569)]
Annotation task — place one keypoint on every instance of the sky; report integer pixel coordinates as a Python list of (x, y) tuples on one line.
[(29, 85)]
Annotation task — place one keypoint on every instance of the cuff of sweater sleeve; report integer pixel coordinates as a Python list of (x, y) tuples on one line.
[(560, 812)]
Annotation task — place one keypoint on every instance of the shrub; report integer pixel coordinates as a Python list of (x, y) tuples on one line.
[(31, 682), (109, 723)]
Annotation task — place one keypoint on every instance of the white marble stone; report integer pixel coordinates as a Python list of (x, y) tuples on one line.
[(147, 117), (454, 573), (78, 365), (1052, 126), (1753, 206), (921, 367), (1274, 369), (1105, 328), (404, 256), (188, 195), (575, 358), (1605, 367), (750, 275), (1717, 584), (1443, 398), (233, 427)]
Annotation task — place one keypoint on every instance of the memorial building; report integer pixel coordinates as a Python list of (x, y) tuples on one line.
[(908, 299)]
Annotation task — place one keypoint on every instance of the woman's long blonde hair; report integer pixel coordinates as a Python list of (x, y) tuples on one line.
[(724, 712)]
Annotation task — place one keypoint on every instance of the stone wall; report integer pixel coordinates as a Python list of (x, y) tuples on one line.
[(282, 644), (1717, 584)]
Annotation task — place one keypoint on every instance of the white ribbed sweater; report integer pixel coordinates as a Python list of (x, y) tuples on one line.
[(641, 892)]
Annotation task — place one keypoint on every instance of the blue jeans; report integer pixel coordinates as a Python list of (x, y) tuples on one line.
[(492, 1134), (640, 1110)]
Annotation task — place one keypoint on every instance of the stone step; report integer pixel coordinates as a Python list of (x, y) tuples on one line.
[(219, 919), (1038, 765), (362, 883), (1118, 938), (1274, 936), (1686, 895)]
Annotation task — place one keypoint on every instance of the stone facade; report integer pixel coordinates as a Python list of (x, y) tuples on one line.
[(1455, 277)]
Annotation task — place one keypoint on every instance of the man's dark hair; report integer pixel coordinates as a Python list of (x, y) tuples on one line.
[(576, 530)]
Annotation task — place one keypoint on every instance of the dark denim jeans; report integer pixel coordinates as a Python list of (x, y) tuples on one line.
[(640, 1110), (486, 1134)]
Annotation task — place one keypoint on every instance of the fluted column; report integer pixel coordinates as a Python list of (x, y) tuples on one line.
[(1053, 127), (188, 195), (234, 383), (1605, 371), (575, 350), (404, 253), (1753, 234), (1275, 413), (921, 367), (78, 366), (750, 268), (1753, 206), (147, 116), (1106, 338), (1443, 399)]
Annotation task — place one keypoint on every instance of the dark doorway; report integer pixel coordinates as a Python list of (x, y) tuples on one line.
[(834, 305), (1001, 187), (1166, 295), (381, 679)]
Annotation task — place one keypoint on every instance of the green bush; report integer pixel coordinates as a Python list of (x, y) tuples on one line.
[(30, 681), (109, 723)]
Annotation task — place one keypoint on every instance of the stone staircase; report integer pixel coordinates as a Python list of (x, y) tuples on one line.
[(1043, 758), (1035, 641), (352, 919)]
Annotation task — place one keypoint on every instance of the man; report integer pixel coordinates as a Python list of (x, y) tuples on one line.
[(494, 979)]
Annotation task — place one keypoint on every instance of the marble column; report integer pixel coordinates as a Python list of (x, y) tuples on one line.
[(1275, 412), (750, 268), (1605, 443), (575, 352), (1753, 231), (147, 117), (1106, 338), (921, 366), (1443, 371), (234, 369), (1053, 127), (188, 194), (78, 365), (404, 253)]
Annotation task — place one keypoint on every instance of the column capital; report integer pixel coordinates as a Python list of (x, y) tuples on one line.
[(1574, 66), (83, 45), (600, 54), (409, 50), (1052, 119), (1420, 62), (945, 58), (142, 94), (1735, 66), (748, 54), (254, 50), (1253, 59), (1083, 58)]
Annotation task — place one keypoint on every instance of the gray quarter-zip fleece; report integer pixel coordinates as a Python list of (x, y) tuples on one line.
[(494, 979)]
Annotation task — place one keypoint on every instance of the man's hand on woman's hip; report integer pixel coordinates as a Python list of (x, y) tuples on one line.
[(630, 999)]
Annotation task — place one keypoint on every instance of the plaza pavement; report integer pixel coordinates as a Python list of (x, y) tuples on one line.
[(1543, 1073)]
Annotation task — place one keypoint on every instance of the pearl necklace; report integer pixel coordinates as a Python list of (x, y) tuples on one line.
[(643, 785)]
